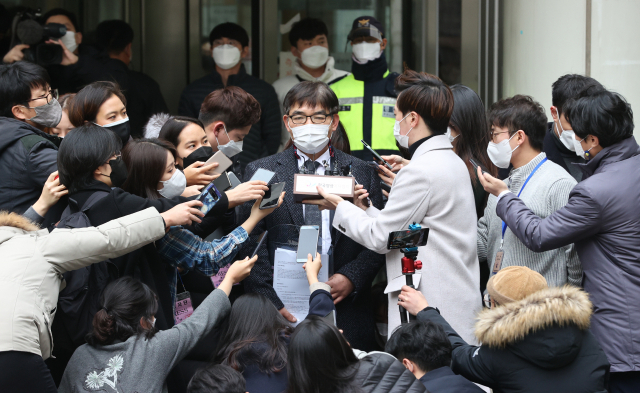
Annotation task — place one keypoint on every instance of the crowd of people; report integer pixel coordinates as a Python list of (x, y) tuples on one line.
[(113, 250)]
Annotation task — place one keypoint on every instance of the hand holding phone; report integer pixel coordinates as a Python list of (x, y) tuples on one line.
[(272, 195), (376, 155), (223, 163), (209, 197), (476, 164), (307, 242), (262, 238)]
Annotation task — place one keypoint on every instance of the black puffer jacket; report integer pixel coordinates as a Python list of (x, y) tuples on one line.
[(539, 344), (380, 372)]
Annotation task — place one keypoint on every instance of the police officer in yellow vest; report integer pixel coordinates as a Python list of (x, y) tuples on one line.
[(367, 96)]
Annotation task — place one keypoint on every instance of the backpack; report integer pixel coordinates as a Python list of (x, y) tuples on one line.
[(79, 301)]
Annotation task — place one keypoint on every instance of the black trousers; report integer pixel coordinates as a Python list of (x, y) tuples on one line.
[(628, 382), (24, 372)]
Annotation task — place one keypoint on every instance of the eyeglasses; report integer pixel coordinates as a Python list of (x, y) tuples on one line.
[(487, 301), (493, 134), (316, 118), (51, 94)]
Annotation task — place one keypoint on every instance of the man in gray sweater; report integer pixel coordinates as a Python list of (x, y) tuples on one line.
[(518, 126)]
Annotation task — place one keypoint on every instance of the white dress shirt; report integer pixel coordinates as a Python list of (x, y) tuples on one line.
[(326, 214)]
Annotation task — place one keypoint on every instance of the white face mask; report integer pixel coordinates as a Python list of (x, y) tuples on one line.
[(567, 137), (500, 153), (578, 149), (315, 57), (366, 51), (174, 186), (451, 137), (311, 138), (230, 148), (226, 56), (403, 140), (69, 40)]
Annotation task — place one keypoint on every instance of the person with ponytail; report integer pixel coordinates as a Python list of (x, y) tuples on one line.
[(126, 353)]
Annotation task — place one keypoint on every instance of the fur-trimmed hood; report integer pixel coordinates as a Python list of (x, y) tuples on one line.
[(13, 220), (545, 327)]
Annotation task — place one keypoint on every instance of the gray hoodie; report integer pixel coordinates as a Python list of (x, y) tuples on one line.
[(138, 364)]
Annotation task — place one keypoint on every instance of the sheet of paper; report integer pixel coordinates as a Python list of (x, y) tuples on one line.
[(290, 282)]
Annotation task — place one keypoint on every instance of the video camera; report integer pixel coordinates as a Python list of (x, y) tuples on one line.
[(26, 29)]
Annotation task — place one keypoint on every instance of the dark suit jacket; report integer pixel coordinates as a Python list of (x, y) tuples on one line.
[(355, 313), (443, 380)]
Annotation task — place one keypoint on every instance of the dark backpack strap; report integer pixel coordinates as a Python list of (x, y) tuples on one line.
[(30, 141), (95, 197)]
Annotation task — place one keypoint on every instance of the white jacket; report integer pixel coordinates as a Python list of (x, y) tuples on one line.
[(283, 85), (34, 260), (435, 191)]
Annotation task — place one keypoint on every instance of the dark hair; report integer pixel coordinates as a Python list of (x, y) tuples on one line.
[(307, 29), (426, 95), (424, 343), (320, 359), (114, 35), (61, 11), (173, 127), (231, 105), (217, 378), (601, 113), (86, 104), (82, 151), (520, 112), (256, 334), (146, 161), (469, 119), (569, 86), (123, 303), (311, 94), (339, 140), (16, 81), (230, 30)]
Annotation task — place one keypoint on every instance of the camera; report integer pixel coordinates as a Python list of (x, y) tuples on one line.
[(26, 29)]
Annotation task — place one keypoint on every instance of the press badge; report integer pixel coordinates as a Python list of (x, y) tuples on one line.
[(498, 262), (184, 309), (387, 111)]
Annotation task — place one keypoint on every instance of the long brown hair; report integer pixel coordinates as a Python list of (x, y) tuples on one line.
[(146, 161)]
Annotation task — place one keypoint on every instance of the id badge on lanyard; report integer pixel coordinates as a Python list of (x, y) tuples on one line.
[(497, 264), (184, 308)]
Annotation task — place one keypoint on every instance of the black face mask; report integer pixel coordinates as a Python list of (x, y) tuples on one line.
[(202, 154), (119, 172), (122, 130)]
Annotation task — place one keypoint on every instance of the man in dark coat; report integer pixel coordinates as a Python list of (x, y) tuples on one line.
[(230, 44), (353, 267), (603, 220), (558, 143), (28, 155), (534, 339)]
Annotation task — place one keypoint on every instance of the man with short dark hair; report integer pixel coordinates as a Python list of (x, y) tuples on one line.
[(424, 349), (558, 142), (311, 117), (309, 40), (230, 44), (144, 98), (28, 155), (518, 126)]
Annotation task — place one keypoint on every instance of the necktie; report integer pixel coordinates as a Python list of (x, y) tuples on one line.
[(312, 215)]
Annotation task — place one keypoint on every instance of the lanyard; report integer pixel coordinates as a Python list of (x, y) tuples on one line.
[(504, 225)]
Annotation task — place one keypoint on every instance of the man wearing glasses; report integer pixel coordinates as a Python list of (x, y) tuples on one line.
[(311, 117), (28, 155), (518, 126)]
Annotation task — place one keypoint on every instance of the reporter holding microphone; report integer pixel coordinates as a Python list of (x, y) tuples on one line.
[(434, 190)]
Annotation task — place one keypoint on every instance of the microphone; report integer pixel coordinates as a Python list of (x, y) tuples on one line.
[(29, 32)]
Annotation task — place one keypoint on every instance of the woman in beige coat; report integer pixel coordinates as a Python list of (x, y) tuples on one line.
[(433, 190), (31, 267)]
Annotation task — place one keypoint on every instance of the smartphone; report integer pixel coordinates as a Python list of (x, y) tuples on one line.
[(272, 195), (222, 183), (307, 242), (385, 186), (374, 165), (223, 163), (263, 236), (233, 179), (263, 174), (376, 155), (209, 197), (408, 239), (476, 164)]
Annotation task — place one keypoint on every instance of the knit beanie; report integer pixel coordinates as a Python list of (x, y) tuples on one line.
[(514, 283)]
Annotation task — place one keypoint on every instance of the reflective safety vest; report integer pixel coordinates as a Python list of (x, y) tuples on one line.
[(366, 112)]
